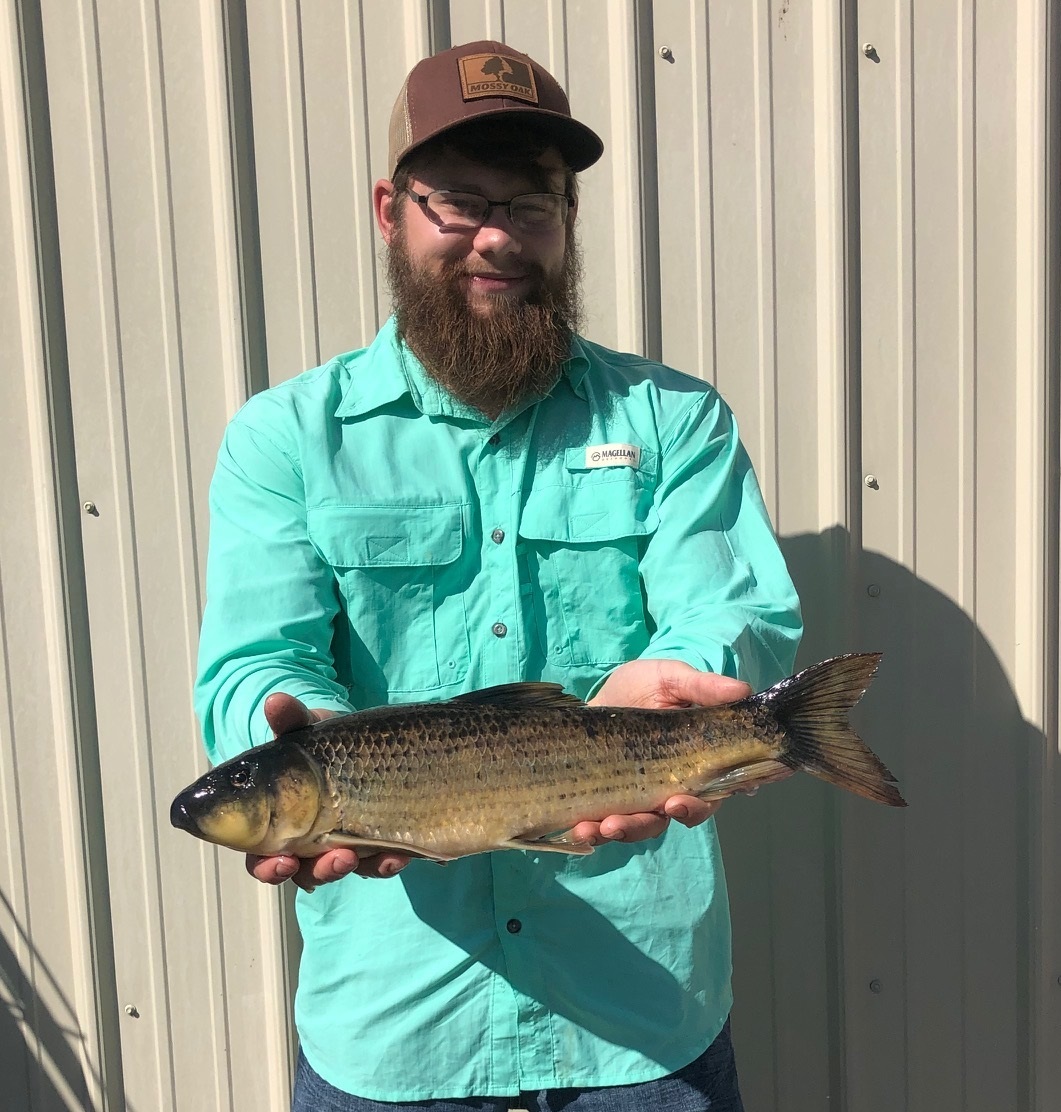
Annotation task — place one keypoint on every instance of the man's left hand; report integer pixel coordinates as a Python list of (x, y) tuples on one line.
[(661, 684)]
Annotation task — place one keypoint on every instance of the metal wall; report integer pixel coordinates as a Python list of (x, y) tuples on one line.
[(842, 213)]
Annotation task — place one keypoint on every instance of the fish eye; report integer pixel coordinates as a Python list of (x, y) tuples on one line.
[(240, 778)]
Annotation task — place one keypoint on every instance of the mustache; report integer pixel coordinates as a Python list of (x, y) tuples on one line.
[(458, 269)]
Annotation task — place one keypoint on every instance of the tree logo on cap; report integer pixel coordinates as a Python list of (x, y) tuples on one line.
[(496, 75)]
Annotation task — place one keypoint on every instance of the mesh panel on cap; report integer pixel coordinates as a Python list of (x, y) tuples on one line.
[(401, 126)]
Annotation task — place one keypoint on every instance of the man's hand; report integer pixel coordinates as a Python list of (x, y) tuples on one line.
[(661, 684), (285, 713)]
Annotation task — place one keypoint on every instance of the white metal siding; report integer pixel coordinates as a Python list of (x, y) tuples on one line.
[(860, 248)]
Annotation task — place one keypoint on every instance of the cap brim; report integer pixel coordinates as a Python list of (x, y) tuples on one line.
[(579, 145)]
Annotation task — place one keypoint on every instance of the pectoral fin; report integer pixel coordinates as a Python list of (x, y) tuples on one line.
[(338, 840)]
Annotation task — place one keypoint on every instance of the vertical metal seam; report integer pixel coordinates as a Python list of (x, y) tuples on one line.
[(73, 604), (308, 310), (906, 301), (651, 295), (851, 199), (246, 222), (906, 327), (1049, 902), (439, 32), (368, 294), (766, 258), (967, 415)]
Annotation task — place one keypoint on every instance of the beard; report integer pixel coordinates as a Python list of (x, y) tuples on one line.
[(498, 358)]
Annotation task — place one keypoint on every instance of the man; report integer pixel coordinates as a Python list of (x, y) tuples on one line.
[(481, 497)]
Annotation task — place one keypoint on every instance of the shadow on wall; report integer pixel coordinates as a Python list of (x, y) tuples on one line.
[(40, 1067), (929, 905)]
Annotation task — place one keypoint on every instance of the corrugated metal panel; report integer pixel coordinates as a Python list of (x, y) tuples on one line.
[(850, 244), (951, 538)]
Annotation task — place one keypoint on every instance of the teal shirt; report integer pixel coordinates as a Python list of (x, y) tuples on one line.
[(375, 541)]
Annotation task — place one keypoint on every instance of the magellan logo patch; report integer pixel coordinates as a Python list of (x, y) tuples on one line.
[(613, 455), (496, 75)]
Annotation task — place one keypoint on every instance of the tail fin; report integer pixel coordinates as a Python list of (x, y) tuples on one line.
[(812, 707)]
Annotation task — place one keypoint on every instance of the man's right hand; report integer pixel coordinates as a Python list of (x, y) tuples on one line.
[(285, 713)]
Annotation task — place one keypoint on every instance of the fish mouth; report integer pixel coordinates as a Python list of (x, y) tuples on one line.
[(180, 817)]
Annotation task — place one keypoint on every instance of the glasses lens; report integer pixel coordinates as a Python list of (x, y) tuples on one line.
[(538, 212), (457, 210)]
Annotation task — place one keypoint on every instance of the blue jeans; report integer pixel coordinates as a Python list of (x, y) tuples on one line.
[(708, 1084)]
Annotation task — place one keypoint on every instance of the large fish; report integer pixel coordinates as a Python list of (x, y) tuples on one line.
[(517, 766)]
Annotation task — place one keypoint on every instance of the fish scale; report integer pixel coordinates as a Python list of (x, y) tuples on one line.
[(515, 766)]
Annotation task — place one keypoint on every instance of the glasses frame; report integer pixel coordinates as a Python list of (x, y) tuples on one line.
[(422, 198)]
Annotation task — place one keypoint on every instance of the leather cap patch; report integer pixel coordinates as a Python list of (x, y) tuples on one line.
[(496, 75)]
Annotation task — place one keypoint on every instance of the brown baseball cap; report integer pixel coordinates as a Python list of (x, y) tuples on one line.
[(481, 80)]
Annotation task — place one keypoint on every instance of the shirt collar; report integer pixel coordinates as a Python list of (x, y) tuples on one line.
[(389, 370)]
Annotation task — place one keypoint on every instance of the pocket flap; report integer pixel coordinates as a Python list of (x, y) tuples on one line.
[(386, 536), (586, 513)]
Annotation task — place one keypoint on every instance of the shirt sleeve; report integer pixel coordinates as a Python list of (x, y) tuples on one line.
[(271, 599), (717, 589)]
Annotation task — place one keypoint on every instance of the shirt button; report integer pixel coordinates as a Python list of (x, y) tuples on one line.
[(499, 629), (495, 439), (513, 926), (497, 536)]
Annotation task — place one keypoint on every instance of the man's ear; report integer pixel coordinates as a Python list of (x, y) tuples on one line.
[(383, 205)]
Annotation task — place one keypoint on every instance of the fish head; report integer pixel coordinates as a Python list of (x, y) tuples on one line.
[(266, 801)]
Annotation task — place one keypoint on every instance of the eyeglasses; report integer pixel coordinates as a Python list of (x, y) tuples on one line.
[(467, 212)]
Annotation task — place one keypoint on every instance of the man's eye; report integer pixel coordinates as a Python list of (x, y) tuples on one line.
[(457, 204), (536, 210)]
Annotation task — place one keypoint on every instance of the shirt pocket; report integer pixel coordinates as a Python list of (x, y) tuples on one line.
[(399, 572), (584, 542)]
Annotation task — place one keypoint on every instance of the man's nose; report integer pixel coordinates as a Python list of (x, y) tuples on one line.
[(497, 236)]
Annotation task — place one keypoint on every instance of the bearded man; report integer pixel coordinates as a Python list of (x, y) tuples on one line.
[(482, 496)]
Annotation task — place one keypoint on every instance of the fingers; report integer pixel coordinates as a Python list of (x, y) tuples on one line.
[(382, 865), (333, 865), (272, 870), (686, 809), (285, 713), (633, 828), (620, 828), (704, 689), (689, 810), (308, 873)]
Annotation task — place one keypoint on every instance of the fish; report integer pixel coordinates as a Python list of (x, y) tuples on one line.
[(519, 765)]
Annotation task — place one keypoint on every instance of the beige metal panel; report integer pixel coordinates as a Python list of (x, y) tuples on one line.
[(323, 79), (153, 356), (1038, 309), (750, 218), (56, 1042), (605, 48), (1038, 356), (750, 228), (935, 913), (212, 169)]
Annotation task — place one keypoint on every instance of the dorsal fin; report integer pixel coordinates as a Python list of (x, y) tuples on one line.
[(521, 695)]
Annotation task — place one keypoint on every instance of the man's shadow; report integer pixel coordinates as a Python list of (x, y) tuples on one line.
[(855, 924), (859, 930), (41, 1064)]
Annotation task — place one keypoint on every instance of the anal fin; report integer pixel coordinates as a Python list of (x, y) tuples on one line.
[(577, 849), (743, 778)]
